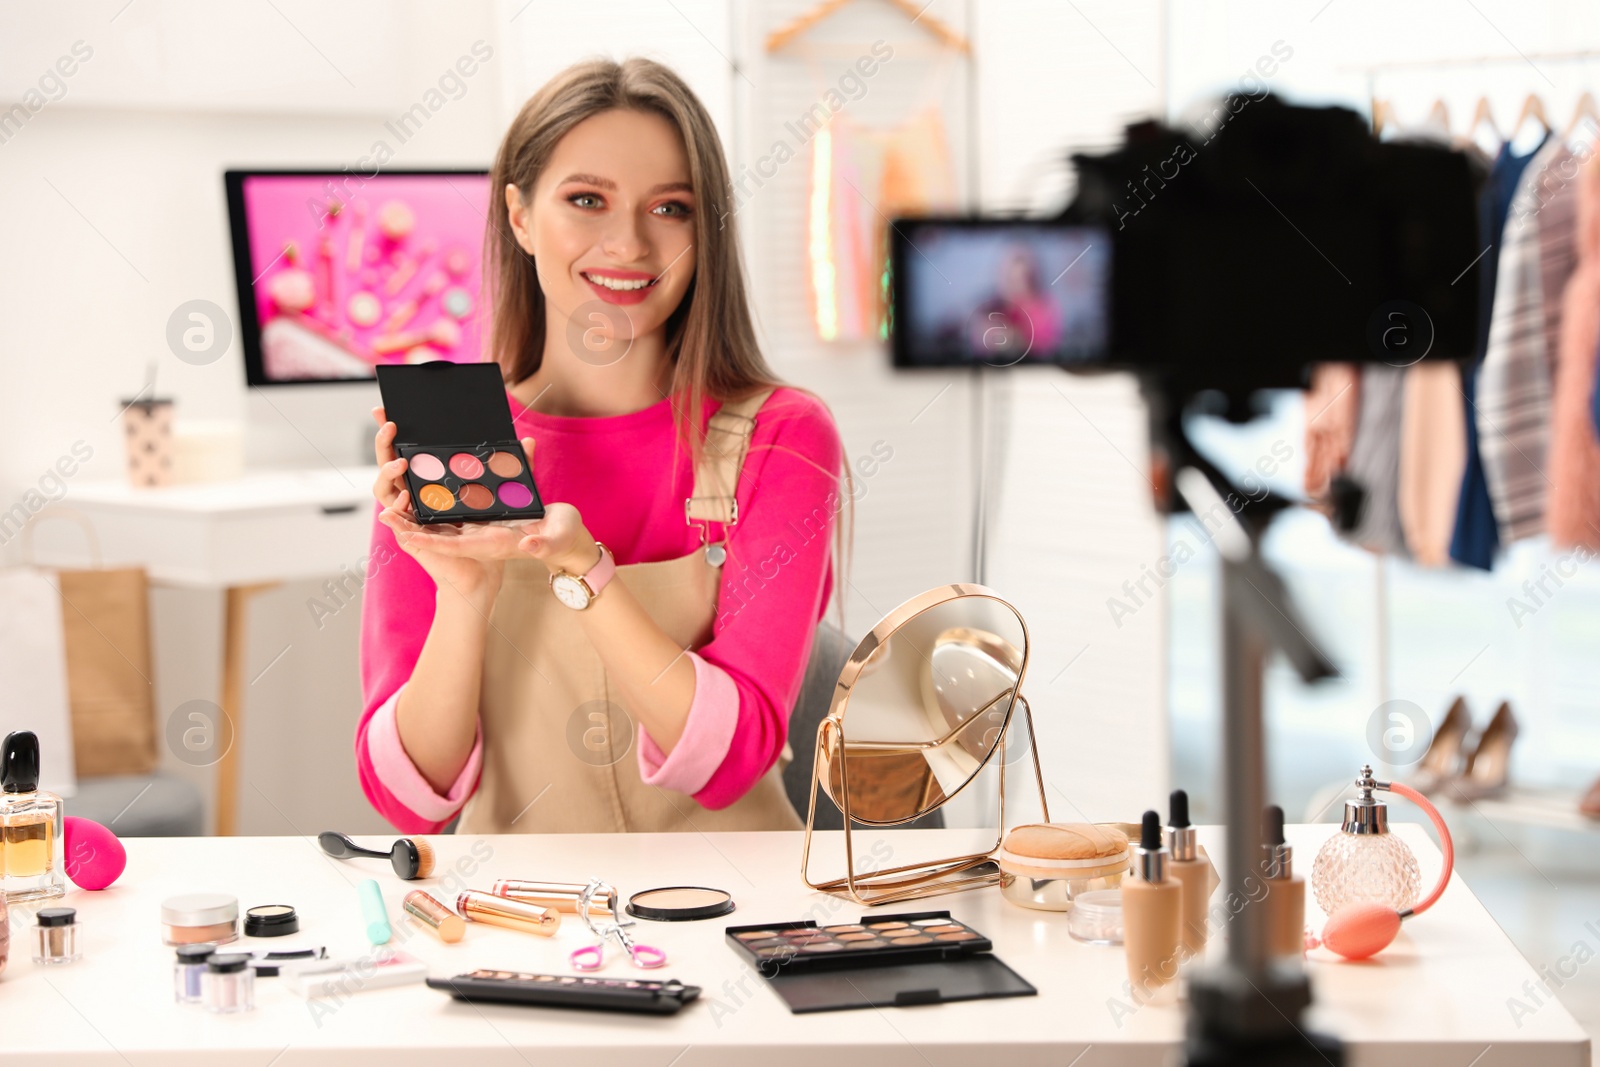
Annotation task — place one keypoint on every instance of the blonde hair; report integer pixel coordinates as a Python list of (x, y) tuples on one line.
[(711, 339)]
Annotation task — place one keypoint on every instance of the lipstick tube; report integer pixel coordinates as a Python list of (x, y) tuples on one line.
[(562, 896), (512, 914), (434, 917)]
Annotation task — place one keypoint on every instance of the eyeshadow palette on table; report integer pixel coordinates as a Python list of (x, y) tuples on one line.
[(454, 429), (882, 961)]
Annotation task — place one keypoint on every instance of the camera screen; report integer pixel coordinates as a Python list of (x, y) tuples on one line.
[(1000, 293)]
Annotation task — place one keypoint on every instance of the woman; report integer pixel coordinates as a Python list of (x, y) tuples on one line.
[(629, 661)]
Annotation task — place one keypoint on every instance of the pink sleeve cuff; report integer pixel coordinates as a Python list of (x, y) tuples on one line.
[(400, 776), (707, 735)]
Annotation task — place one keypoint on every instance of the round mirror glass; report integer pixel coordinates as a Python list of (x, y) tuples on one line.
[(922, 704)]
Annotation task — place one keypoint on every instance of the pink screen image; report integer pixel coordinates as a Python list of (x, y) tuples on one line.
[(352, 272)]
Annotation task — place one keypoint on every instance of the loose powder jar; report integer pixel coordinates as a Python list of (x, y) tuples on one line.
[(199, 918), (1046, 866)]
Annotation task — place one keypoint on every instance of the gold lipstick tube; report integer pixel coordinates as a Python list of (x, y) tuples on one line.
[(512, 914), (434, 917)]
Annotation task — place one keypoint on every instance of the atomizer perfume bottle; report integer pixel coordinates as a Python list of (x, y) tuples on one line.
[(30, 825), (1364, 862)]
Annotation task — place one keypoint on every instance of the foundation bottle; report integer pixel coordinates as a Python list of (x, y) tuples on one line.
[(1285, 902), (1190, 867), (1152, 914), (30, 825)]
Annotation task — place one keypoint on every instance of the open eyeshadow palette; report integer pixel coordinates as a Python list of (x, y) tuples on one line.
[(464, 463), (882, 961)]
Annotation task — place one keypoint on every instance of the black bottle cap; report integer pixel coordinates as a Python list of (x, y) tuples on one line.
[(228, 963), (57, 916), (1178, 810), (195, 953), (1272, 825), (19, 762), (1150, 832)]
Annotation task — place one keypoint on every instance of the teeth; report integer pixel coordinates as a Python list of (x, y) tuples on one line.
[(619, 284)]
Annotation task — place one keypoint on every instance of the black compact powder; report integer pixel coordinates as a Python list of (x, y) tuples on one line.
[(271, 920), (455, 432), (680, 903)]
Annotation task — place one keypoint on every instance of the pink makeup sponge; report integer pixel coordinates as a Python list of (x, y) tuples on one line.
[(94, 856)]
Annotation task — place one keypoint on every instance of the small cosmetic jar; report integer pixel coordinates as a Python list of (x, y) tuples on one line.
[(187, 970), (56, 936), (271, 920), (229, 983), (1096, 917), (199, 918), (1047, 866)]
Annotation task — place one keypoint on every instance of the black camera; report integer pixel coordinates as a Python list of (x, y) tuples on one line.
[(1288, 236)]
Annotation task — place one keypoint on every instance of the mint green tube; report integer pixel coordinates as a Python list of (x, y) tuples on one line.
[(376, 914)]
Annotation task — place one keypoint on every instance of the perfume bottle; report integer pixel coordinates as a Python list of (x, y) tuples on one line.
[(1364, 863), (30, 825)]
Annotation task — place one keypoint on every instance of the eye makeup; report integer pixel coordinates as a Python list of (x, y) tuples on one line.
[(891, 939), (882, 961), (455, 432)]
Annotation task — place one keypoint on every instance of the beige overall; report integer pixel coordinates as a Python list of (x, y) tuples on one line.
[(559, 753)]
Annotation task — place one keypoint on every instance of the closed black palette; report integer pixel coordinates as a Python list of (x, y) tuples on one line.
[(454, 429), (881, 961), (569, 991)]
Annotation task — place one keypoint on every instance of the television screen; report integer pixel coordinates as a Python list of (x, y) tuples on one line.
[(999, 292), (338, 272)]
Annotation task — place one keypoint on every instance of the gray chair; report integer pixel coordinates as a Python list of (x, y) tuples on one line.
[(137, 805), (830, 651)]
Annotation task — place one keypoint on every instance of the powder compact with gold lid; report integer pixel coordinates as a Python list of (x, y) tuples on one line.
[(455, 432)]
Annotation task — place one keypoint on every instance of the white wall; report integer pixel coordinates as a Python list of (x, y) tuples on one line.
[(136, 224)]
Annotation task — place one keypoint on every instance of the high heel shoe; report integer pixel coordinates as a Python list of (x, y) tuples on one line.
[(1489, 765), (1443, 759)]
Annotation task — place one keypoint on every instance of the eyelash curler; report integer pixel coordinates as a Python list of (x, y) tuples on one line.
[(593, 957)]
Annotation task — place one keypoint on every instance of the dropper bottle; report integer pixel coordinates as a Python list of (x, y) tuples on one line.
[(1191, 868), (1152, 913), (1285, 902)]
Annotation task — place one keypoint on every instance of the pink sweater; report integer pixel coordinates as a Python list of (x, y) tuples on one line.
[(617, 472)]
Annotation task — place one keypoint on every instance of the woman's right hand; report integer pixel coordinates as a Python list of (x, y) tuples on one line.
[(476, 580)]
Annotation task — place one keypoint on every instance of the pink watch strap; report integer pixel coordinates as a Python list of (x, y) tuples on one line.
[(600, 574)]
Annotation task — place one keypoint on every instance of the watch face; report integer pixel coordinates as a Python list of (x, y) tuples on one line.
[(570, 591)]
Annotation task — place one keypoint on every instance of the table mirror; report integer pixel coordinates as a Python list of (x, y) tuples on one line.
[(925, 702)]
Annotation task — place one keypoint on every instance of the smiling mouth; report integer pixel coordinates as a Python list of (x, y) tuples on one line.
[(620, 285)]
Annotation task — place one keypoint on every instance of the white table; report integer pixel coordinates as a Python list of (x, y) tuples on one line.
[(1436, 997), (243, 537)]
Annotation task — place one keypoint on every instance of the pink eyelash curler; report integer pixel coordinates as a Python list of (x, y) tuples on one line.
[(593, 957)]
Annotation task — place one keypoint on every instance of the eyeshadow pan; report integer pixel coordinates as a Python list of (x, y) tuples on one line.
[(914, 939), (757, 935), (963, 936), (823, 946), (505, 464), (946, 929), (930, 922), (476, 497), (427, 466), (862, 936), (436, 497), (843, 929), (515, 495), (887, 926), (466, 465)]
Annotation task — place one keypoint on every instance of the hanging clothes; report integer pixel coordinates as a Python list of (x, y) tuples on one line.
[(1375, 460), (1332, 406), (1433, 455), (1573, 509), (1514, 382), (1476, 537), (861, 178)]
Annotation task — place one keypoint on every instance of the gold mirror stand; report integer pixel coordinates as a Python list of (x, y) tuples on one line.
[(914, 879)]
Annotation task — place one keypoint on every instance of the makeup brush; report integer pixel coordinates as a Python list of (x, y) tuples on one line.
[(410, 858)]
